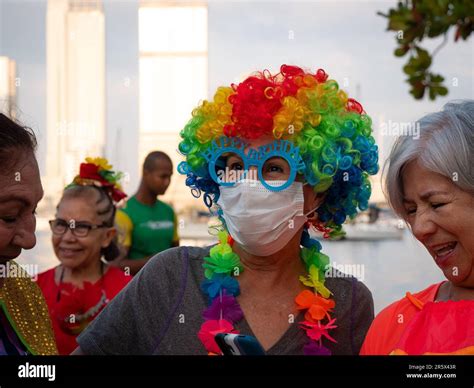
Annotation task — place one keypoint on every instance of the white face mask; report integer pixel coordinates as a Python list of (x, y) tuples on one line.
[(260, 220)]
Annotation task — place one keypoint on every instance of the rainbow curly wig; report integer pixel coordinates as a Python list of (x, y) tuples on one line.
[(332, 131)]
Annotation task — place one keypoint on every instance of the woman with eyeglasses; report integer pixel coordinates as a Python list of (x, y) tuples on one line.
[(273, 156), (83, 233)]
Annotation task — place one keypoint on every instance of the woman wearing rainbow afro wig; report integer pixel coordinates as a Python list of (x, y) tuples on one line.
[(274, 156)]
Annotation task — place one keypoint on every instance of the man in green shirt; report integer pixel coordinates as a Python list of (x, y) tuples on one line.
[(147, 225)]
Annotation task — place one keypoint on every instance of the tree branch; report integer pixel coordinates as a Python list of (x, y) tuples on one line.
[(441, 45)]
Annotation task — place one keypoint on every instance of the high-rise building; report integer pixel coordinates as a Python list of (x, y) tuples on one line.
[(173, 71), (75, 60), (7, 86)]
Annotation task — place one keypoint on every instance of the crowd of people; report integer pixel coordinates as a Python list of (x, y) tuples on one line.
[(275, 157)]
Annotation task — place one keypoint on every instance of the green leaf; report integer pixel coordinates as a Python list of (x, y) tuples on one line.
[(443, 91), (418, 77), (401, 51), (439, 90), (418, 91), (436, 78), (432, 93), (424, 58), (411, 66)]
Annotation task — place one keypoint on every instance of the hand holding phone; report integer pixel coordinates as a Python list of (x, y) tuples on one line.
[(239, 345)]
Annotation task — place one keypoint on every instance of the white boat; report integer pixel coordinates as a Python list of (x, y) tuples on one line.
[(368, 232), (371, 232)]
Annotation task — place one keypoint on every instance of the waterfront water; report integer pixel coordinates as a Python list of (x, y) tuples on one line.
[(388, 267)]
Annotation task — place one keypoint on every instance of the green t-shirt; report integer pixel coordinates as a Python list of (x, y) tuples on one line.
[(145, 229)]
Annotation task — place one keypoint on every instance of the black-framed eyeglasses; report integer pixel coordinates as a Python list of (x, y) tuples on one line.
[(78, 229)]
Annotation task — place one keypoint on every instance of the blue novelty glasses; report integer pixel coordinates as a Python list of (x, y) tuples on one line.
[(276, 163)]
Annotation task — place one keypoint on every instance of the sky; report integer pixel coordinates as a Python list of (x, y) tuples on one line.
[(345, 38)]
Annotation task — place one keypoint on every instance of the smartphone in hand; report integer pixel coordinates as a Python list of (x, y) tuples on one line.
[(239, 345)]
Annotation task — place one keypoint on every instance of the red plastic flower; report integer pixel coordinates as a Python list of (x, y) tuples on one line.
[(89, 175), (317, 307), (316, 330), (118, 195), (210, 329), (89, 171)]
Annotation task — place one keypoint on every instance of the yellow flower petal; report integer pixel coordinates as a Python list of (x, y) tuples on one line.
[(101, 162)]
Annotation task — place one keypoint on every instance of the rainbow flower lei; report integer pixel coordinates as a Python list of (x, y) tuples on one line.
[(222, 266)]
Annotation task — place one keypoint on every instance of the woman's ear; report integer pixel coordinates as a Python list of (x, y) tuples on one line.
[(109, 236)]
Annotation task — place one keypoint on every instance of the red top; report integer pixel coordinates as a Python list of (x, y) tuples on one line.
[(77, 307), (418, 325)]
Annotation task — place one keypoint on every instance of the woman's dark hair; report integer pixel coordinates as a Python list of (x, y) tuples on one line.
[(14, 137), (105, 209)]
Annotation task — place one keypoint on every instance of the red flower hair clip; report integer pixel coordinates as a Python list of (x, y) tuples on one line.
[(98, 172)]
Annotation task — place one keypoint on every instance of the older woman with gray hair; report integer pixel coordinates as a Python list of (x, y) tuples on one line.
[(430, 184)]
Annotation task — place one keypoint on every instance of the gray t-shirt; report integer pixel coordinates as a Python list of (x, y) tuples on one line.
[(160, 312)]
